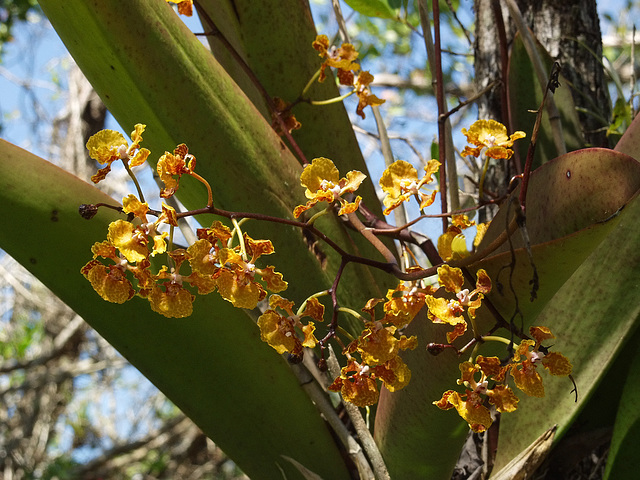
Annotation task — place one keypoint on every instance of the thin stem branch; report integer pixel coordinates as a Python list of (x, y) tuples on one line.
[(206, 184), (135, 180), (375, 241), (434, 55), (310, 83), (254, 79), (541, 73), (332, 100), (495, 338), (360, 426), (550, 85)]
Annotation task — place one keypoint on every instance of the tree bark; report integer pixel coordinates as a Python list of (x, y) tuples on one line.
[(570, 32)]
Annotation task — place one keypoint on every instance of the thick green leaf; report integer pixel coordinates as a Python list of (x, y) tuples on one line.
[(148, 67), (567, 217), (376, 8), (592, 315), (623, 453), (213, 364), (572, 204), (262, 33), (223, 16), (258, 31)]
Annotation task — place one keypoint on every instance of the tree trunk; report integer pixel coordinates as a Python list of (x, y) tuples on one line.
[(570, 32)]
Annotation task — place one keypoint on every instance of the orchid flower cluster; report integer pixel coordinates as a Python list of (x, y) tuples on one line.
[(479, 374), (139, 258), (213, 262), (348, 71)]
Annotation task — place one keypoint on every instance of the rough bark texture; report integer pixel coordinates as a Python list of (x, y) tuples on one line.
[(570, 31)]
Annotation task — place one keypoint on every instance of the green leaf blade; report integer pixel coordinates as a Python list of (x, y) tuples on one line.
[(621, 461), (592, 315), (213, 365)]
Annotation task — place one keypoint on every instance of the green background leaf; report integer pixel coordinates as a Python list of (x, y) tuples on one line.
[(623, 452), (376, 8), (592, 315), (213, 364)]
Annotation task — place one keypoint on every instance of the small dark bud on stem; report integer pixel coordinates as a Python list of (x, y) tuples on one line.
[(322, 365), (88, 211), (435, 348), (294, 359)]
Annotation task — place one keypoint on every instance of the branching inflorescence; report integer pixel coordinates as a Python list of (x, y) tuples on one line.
[(226, 260)]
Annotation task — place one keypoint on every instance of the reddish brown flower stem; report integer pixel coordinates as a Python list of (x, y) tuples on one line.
[(442, 146), (117, 208), (206, 184), (388, 267), (333, 326), (383, 228), (551, 86), (504, 75), (243, 65)]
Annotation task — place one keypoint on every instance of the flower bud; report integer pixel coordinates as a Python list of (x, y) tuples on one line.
[(87, 211)]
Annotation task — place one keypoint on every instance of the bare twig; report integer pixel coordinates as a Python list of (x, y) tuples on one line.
[(445, 140), (59, 344), (462, 27), (369, 444), (342, 25), (471, 99), (392, 136)]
